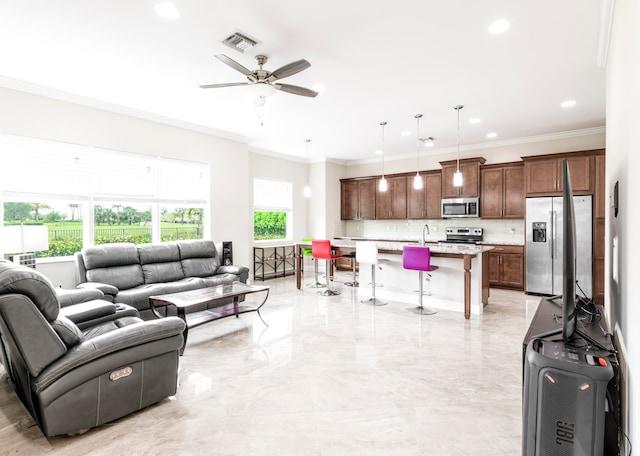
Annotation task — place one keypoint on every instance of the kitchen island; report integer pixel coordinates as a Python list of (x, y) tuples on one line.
[(460, 284)]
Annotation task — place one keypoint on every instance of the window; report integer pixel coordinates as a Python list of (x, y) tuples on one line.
[(272, 201), (87, 195)]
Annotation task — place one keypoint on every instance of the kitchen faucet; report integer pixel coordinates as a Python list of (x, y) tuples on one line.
[(424, 237)]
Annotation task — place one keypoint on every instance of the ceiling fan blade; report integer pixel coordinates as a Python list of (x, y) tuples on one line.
[(296, 90), (289, 70), (236, 66), (225, 84)]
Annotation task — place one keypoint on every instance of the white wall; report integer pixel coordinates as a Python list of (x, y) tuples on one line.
[(500, 152), (622, 268)]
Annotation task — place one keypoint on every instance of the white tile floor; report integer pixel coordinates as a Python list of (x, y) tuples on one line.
[(329, 376)]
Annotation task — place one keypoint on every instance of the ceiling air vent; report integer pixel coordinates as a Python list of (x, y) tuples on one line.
[(239, 42)]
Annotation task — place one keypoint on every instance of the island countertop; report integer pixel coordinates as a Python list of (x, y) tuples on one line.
[(395, 246), (465, 252)]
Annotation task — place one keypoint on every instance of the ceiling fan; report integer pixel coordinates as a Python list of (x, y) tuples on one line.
[(262, 83)]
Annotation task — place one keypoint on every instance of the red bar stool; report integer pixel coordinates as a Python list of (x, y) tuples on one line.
[(418, 258), (321, 250), (367, 253)]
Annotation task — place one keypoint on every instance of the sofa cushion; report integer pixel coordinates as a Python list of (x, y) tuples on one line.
[(162, 272), (160, 262), (26, 281), (199, 258), (67, 330), (138, 297), (122, 277), (158, 253), (107, 255)]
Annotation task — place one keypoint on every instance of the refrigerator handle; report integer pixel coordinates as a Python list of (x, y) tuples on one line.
[(552, 237)]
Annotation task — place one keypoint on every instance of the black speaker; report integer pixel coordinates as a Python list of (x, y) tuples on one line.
[(564, 400), (227, 253)]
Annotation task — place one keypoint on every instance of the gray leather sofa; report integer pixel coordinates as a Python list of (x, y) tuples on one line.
[(73, 379), (131, 273)]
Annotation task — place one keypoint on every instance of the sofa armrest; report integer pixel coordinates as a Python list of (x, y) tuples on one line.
[(90, 310), (141, 333), (240, 271), (73, 296), (109, 291)]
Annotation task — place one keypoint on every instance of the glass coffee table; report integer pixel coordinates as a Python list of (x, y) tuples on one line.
[(190, 305)]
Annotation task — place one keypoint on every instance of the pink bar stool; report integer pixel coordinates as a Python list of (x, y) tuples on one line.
[(321, 250), (418, 258)]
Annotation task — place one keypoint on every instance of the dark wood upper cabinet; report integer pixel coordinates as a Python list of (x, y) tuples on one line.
[(425, 203), (502, 191), (358, 199), (543, 176), (392, 204), (470, 169)]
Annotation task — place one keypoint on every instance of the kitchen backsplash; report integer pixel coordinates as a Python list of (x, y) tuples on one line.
[(495, 231)]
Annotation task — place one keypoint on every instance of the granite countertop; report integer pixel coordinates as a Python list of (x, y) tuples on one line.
[(396, 245)]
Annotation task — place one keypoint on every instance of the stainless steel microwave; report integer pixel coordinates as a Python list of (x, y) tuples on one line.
[(460, 207)]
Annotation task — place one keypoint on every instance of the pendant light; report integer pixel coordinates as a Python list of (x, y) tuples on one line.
[(457, 176), (382, 186), (417, 180), (307, 188)]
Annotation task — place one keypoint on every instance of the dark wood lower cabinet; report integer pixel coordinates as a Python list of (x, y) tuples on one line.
[(506, 267)]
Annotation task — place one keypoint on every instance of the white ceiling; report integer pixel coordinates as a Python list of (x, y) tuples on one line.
[(380, 61)]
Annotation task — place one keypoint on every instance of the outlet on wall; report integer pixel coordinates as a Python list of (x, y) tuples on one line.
[(512, 231)]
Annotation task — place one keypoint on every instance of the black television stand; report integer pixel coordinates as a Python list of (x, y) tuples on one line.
[(576, 332)]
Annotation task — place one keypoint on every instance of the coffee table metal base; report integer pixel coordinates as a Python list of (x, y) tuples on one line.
[(185, 300)]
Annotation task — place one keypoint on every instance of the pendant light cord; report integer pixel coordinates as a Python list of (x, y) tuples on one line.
[(383, 124), (418, 116), (458, 108)]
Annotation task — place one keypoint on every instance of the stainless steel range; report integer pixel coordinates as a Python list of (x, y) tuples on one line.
[(463, 235)]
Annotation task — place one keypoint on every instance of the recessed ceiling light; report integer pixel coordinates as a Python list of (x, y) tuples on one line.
[(568, 103), (499, 26), (378, 152), (492, 135), (474, 120), (167, 10), (405, 133), (319, 87)]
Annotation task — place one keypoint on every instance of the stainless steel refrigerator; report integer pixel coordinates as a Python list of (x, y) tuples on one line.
[(544, 220)]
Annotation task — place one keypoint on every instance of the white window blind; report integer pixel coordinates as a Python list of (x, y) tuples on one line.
[(183, 182), (271, 195), (117, 174), (48, 168)]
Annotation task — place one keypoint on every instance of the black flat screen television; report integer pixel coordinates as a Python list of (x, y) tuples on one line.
[(568, 299), (569, 311)]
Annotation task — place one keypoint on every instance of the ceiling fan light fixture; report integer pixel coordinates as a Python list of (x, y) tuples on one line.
[(261, 89)]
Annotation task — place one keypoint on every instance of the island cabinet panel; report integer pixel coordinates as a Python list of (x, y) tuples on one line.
[(392, 204), (506, 267), (543, 176), (502, 192), (358, 199), (470, 169), (425, 203)]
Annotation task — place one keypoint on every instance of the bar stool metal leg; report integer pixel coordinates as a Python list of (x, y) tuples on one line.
[(422, 310), (355, 282), (316, 283), (328, 291), (373, 301)]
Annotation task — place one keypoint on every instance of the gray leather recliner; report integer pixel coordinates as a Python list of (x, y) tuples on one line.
[(70, 379)]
